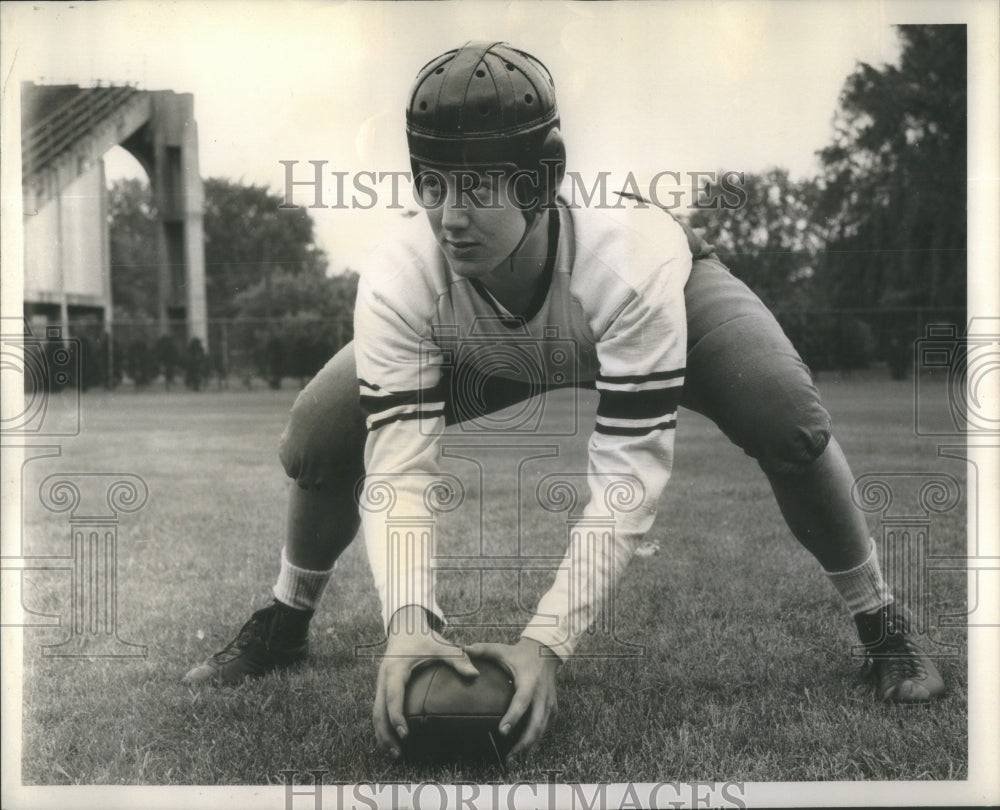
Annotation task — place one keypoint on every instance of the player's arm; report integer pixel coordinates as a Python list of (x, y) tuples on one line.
[(642, 355), (641, 342), (399, 382), (630, 457)]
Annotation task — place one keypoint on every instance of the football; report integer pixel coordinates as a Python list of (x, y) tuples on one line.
[(453, 718)]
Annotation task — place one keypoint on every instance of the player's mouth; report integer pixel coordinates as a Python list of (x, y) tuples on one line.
[(460, 248)]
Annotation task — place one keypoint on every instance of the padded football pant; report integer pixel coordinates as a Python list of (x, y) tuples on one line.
[(742, 373)]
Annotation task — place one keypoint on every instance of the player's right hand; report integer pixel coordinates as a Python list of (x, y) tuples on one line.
[(412, 642)]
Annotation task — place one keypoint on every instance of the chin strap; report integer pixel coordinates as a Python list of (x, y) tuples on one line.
[(530, 224)]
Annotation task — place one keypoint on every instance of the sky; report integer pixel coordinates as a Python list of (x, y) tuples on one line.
[(642, 87)]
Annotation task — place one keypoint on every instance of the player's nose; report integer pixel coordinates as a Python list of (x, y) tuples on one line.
[(455, 211)]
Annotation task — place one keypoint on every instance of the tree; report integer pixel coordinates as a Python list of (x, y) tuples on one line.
[(133, 239), (771, 242), (249, 237), (894, 185), (294, 322)]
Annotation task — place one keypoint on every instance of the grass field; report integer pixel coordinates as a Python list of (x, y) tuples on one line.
[(746, 672)]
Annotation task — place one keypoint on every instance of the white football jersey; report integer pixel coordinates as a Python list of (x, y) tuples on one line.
[(609, 314)]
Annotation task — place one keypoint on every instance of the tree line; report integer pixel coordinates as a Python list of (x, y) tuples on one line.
[(273, 311), (854, 261)]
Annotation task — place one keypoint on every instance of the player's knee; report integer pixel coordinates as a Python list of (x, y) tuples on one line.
[(790, 439), (317, 450), (298, 453)]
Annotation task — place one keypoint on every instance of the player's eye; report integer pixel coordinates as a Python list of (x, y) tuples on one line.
[(431, 191), (486, 190)]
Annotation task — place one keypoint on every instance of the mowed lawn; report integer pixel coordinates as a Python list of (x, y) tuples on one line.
[(731, 658)]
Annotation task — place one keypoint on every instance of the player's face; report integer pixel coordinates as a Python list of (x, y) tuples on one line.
[(473, 217)]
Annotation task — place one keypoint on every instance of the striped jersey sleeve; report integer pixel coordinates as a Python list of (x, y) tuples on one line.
[(383, 407), (637, 404), (641, 351), (399, 384)]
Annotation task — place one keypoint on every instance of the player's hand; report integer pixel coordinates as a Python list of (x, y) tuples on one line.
[(533, 666), (411, 642)]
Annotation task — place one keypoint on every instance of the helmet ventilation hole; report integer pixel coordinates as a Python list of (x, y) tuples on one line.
[(439, 71), (480, 73), (527, 98), (423, 105), (484, 109)]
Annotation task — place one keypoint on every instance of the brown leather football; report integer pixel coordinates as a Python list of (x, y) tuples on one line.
[(454, 718)]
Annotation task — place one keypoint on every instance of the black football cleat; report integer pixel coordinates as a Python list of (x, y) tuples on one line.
[(276, 637), (901, 671)]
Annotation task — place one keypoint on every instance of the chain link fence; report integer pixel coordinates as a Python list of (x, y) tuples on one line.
[(239, 352), (276, 352)]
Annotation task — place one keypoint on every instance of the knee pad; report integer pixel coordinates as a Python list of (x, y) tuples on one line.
[(774, 415), (319, 447), (791, 439), (324, 442), (300, 454)]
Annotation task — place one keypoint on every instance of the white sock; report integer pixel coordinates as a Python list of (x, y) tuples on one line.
[(862, 588), (299, 587)]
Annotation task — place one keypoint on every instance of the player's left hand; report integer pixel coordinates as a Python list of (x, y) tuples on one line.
[(411, 642), (533, 666)]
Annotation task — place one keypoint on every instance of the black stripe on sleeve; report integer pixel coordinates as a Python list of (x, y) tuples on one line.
[(406, 415), (373, 405), (376, 404), (641, 378), (639, 404), (668, 424)]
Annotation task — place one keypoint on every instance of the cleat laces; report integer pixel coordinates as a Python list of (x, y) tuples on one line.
[(253, 631)]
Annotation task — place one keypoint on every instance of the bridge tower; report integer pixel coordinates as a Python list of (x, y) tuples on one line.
[(65, 132)]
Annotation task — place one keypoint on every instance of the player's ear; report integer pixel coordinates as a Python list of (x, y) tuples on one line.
[(553, 160)]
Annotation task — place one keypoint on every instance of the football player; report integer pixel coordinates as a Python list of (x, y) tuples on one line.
[(657, 322)]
